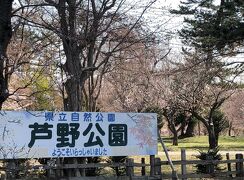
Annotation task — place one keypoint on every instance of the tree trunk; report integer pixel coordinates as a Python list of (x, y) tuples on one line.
[(212, 137), (208, 123), (199, 128), (230, 128), (74, 86), (182, 131), (175, 139), (190, 129), (174, 131), (5, 36), (74, 99), (75, 75), (217, 139)]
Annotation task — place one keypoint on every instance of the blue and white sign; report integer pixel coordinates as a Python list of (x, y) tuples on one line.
[(76, 134)]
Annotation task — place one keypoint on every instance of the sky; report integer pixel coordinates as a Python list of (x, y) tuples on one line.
[(170, 23), (160, 19)]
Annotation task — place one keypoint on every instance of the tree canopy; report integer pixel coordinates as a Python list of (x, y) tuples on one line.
[(215, 26)]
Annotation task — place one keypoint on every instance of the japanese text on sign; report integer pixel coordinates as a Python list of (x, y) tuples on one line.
[(77, 134)]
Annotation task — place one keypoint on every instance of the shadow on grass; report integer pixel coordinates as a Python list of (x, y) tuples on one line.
[(194, 147), (184, 140), (232, 148), (167, 139)]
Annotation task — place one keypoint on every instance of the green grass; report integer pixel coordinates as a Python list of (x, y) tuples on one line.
[(226, 143), (193, 144)]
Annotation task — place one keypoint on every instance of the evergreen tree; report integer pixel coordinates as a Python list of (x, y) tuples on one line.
[(213, 29), (212, 26)]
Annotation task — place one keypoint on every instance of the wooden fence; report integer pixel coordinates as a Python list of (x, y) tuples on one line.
[(152, 170)]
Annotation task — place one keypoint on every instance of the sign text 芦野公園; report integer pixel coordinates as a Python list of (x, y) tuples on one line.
[(36, 134)]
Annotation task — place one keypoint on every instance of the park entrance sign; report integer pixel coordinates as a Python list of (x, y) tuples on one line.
[(36, 134)]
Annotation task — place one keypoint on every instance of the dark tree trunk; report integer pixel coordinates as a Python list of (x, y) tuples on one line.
[(75, 79), (75, 75), (5, 36), (174, 131), (230, 128), (212, 137), (175, 139), (199, 128), (74, 99), (208, 123), (190, 129), (217, 139)]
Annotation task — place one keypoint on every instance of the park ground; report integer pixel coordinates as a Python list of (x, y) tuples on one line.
[(192, 145), (195, 144), (226, 143)]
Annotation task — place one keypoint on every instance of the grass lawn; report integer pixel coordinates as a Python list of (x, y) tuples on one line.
[(192, 145), (226, 143)]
